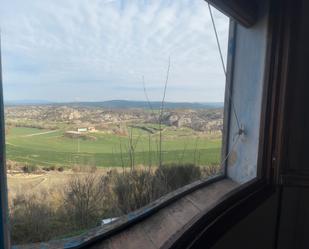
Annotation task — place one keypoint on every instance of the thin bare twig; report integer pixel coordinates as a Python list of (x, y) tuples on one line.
[(121, 155), (146, 95), (161, 111), (195, 150), (149, 152)]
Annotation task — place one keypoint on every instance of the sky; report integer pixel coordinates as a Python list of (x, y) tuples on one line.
[(96, 50)]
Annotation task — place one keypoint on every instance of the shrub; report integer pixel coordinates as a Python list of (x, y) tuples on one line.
[(61, 169), (45, 215), (50, 168), (30, 168), (76, 168), (133, 189), (32, 219), (91, 169), (84, 169), (211, 170), (53, 167), (85, 200), (13, 165), (173, 176), (137, 188)]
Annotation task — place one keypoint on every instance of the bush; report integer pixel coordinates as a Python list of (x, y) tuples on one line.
[(211, 170), (84, 169), (50, 168), (32, 220), (45, 215), (86, 200), (137, 188), (174, 176), (13, 165), (30, 168), (133, 189), (61, 169)]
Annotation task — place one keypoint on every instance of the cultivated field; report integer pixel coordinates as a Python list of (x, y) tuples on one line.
[(51, 147)]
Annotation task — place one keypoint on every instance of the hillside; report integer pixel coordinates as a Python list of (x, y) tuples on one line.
[(51, 115)]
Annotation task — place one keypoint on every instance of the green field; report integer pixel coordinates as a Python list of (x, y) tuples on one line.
[(46, 148)]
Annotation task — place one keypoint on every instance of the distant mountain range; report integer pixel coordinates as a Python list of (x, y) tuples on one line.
[(27, 102), (123, 104)]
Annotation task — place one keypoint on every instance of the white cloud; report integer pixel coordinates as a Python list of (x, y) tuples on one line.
[(96, 50)]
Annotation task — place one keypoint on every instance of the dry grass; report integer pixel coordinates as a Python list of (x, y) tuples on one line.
[(45, 206)]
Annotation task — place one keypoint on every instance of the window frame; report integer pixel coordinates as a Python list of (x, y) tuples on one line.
[(249, 83), (4, 217)]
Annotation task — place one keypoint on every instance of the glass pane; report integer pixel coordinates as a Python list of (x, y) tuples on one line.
[(109, 105)]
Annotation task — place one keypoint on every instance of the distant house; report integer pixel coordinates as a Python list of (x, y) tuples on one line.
[(91, 129), (82, 129), (72, 132)]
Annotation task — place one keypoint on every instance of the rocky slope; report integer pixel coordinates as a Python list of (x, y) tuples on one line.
[(199, 120)]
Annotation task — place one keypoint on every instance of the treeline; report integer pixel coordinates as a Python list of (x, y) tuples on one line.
[(31, 124), (86, 199)]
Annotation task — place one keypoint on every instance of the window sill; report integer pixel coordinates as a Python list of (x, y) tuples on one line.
[(165, 218)]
